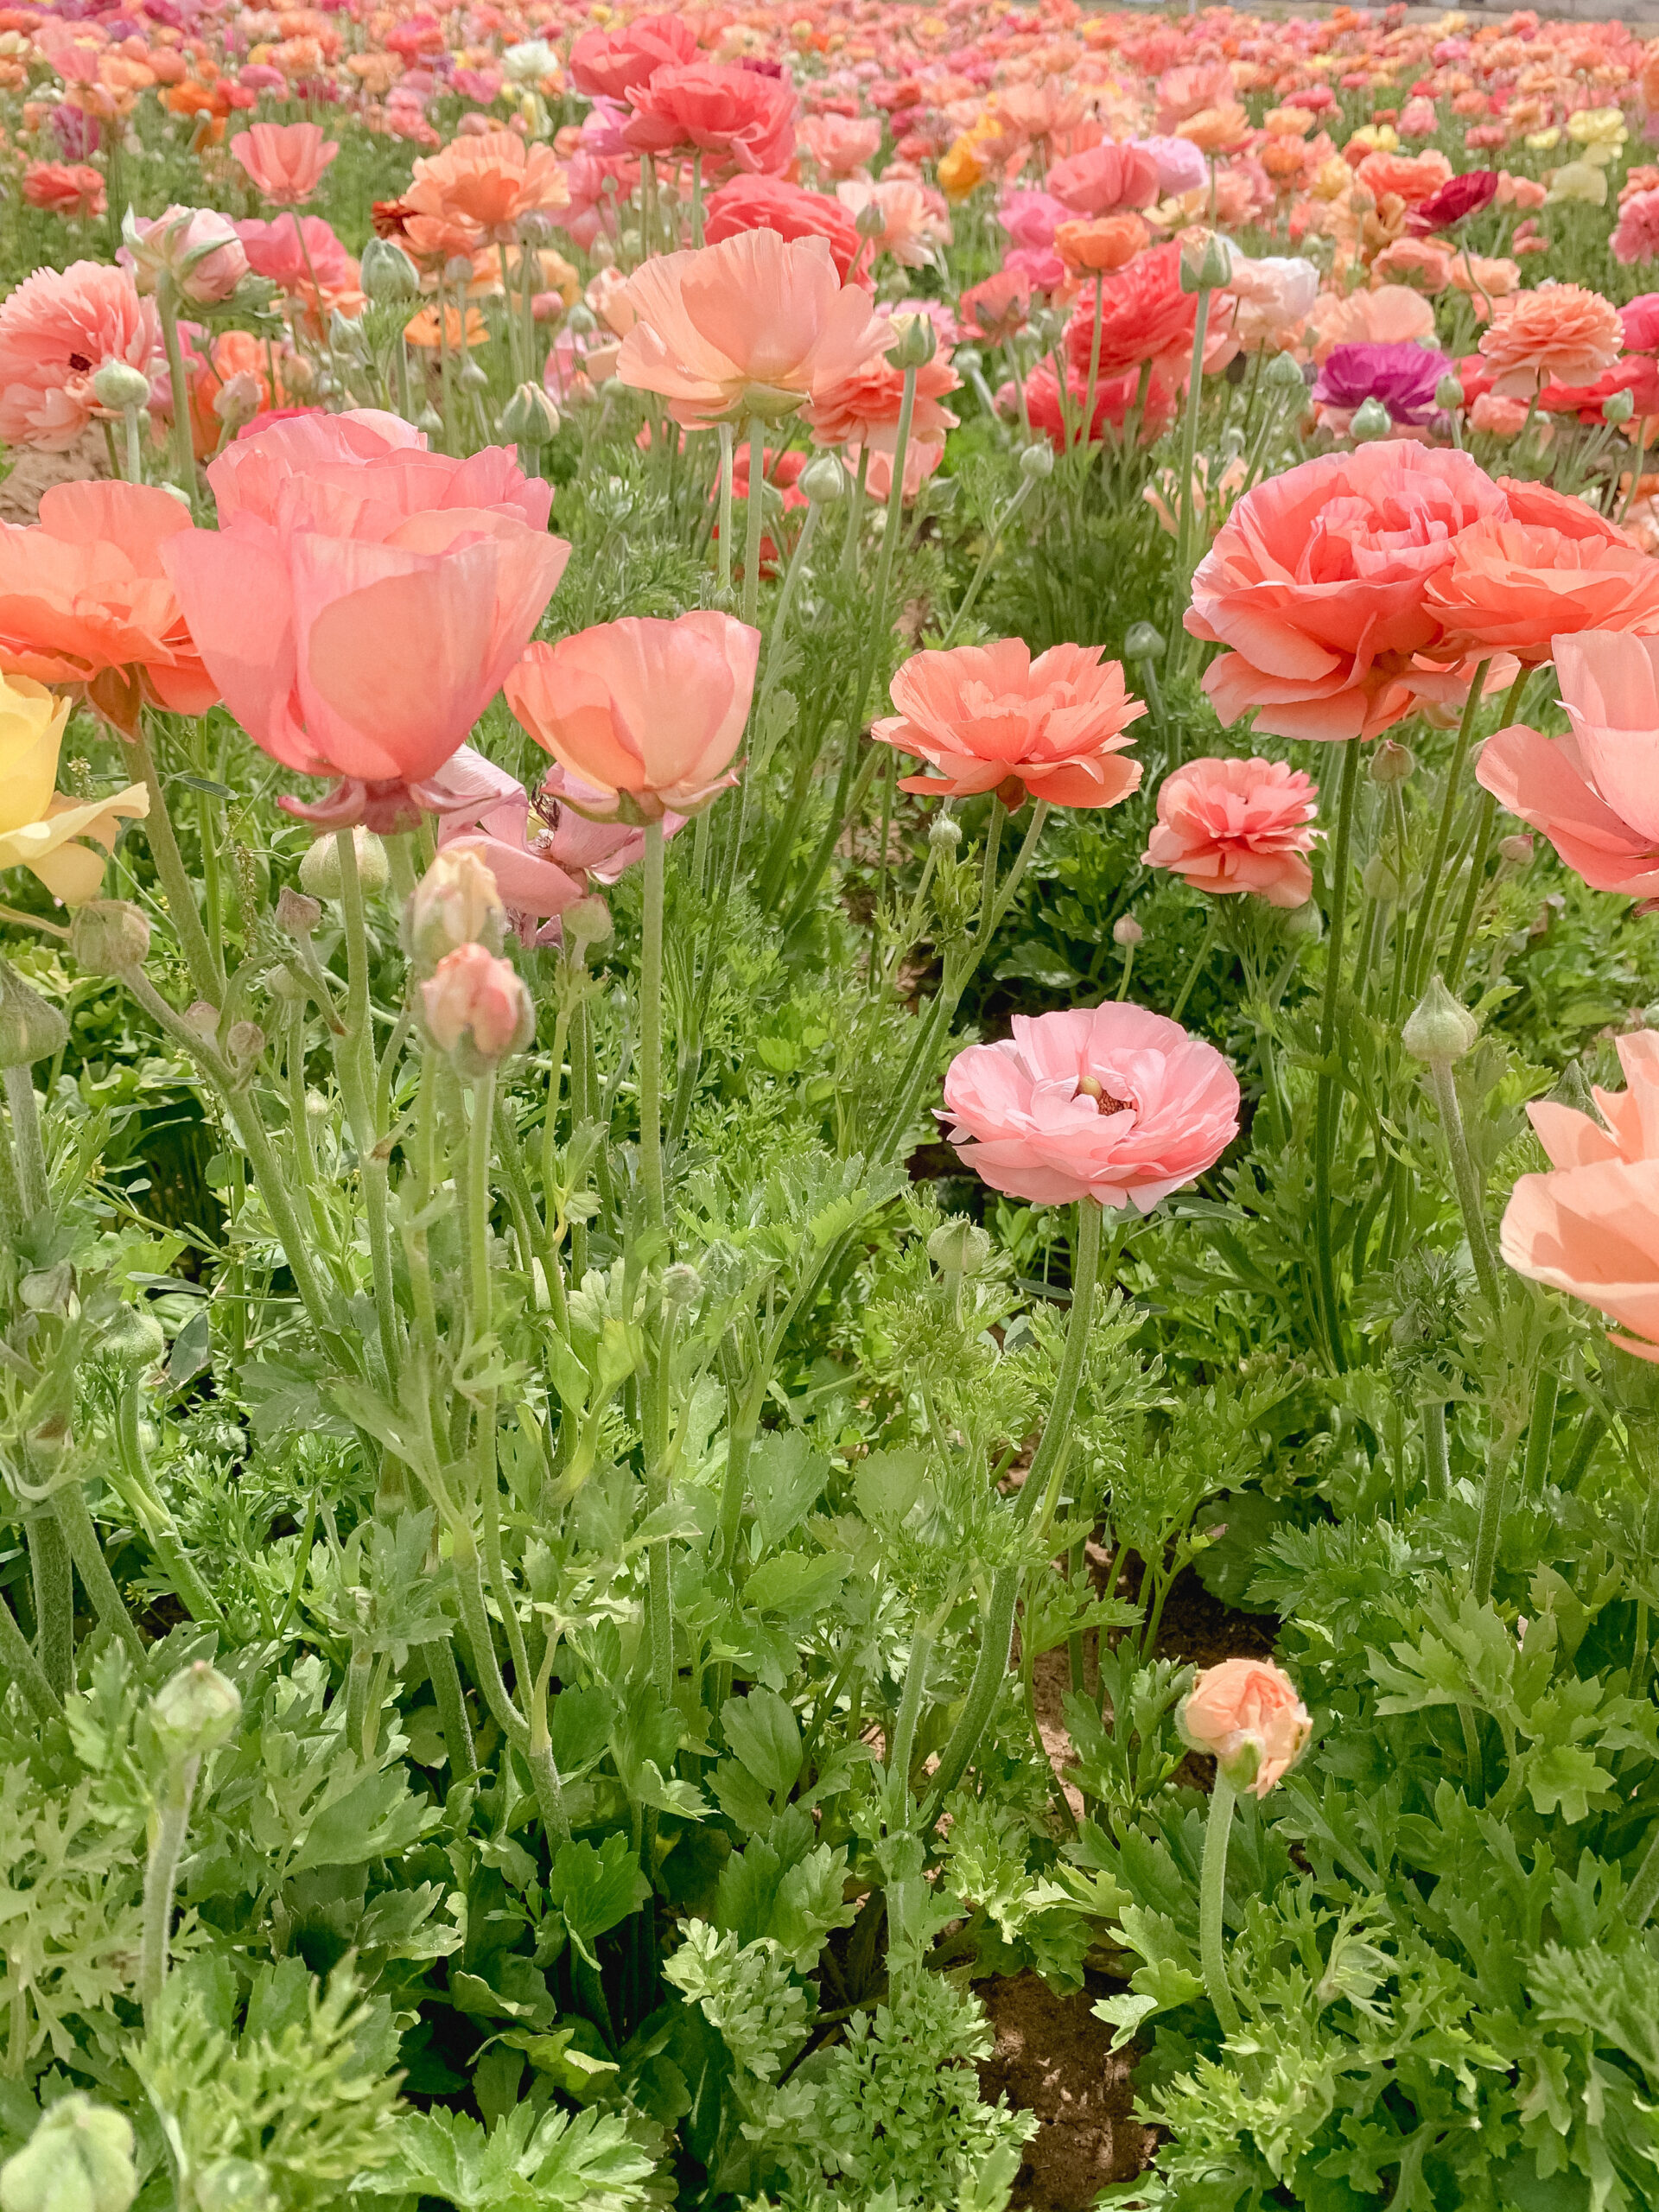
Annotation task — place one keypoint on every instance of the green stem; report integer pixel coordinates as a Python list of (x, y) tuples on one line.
[(1643, 1892), (445, 1678), (901, 1753), (1470, 1197), (1437, 1465), (1541, 1434), (1428, 897), (754, 515), (19, 1664), (1464, 930), (29, 1149), (1325, 1095), (161, 1877), (1491, 1513), (55, 1599), (659, 1595), (1212, 1901), (184, 452), (69, 1505), (206, 979), (723, 550), (1206, 945), (651, 1031)]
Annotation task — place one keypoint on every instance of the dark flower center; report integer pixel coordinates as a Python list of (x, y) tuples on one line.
[(79, 363), (1104, 1101)]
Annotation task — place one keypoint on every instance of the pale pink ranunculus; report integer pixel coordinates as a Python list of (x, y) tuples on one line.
[(58, 328), (1227, 825), (1593, 793), (840, 144), (1031, 218), (363, 599), (492, 821), (1108, 1102), (286, 161), (1247, 1716), (1391, 315), (1181, 167), (646, 714), (475, 1005), (197, 247), (1275, 296), (915, 225)]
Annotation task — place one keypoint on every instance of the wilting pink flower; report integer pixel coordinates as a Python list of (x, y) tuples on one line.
[(1245, 1713), (1237, 825), (475, 1006), (363, 598), (1593, 793), (57, 329), (495, 824), (286, 161), (646, 714), (1111, 1103)]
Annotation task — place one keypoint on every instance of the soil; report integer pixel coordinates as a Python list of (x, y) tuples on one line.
[(33, 472)]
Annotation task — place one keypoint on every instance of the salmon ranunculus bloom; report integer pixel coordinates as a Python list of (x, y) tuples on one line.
[(57, 329), (735, 116), (85, 599), (1418, 179), (362, 600), (863, 408), (754, 325), (1246, 1714), (645, 715), (1108, 1102), (1561, 333), (840, 144), (76, 191), (1589, 1225), (285, 160), (1317, 581), (608, 65), (769, 203), (1593, 793), (488, 185), (1105, 178), (988, 718), (1237, 825), (1557, 567)]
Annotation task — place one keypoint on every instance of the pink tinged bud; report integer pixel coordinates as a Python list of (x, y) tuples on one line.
[(455, 903), (477, 1009), (1246, 1715), (197, 247)]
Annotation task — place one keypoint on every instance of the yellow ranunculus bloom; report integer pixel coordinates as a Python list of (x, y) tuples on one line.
[(959, 170), (1583, 180), (1600, 131), (1378, 137), (1540, 142), (38, 825)]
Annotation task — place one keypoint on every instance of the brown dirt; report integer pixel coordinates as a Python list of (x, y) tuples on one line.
[(1054, 2058), (32, 473)]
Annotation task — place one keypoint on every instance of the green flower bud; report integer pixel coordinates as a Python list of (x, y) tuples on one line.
[(1515, 851), (49, 1290), (589, 922), (1284, 374), (194, 1712), (1305, 923), (320, 869), (30, 1030), (78, 2160), (957, 1247), (430, 423), (968, 361), (530, 418), (1618, 407), (1371, 421), (297, 915), (682, 1285), (1439, 1030), (1037, 461), (1391, 762), (823, 480), (1126, 931), (132, 1338), (120, 387), (1448, 394), (1207, 267), (944, 835), (915, 342), (1381, 881), (1142, 642), (108, 937), (870, 222), (473, 377), (387, 274)]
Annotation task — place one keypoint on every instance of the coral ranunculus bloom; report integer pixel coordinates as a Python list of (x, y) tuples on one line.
[(1111, 1103), (754, 325), (768, 203), (57, 329), (1515, 586), (286, 161), (645, 715), (1104, 179), (608, 65), (1237, 825), (1561, 333), (988, 718), (1593, 793), (85, 599), (76, 191), (362, 600), (1245, 1713), (734, 117), (487, 184), (1146, 316)]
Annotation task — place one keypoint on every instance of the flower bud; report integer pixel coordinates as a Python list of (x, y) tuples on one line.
[(870, 222), (132, 1338), (1304, 924), (530, 418), (30, 1030), (823, 480), (944, 835), (387, 274), (1284, 374), (476, 1009), (1142, 642), (49, 1290), (589, 922), (1037, 461), (456, 902), (237, 399), (120, 387), (957, 1247), (1246, 1714), (320, 869), (1380, 881), (194, 1712), (201, 1017), (581, 321), (915, 342), (297, 915), (1448, 394), (1618, 407), (458, 269), (682, 1285), (471, 377), (1206, 268), (78, 2159), (430, 423), (968, 361), (1391, 762), (1517, 850), (1371, 421), (232, 2185), (245, 1043), (196, 248), (1439, 1030), (1127, 932), (108, 937)]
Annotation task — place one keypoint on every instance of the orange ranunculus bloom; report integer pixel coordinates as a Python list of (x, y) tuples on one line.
[(1108, 243), (488, 185), (422, 327), (1564, 335), (1556, 567)]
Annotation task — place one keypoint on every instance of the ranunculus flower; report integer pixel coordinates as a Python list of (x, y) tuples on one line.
[(733, 116), (914, 224), (995, 310), (487, 184), (1403, 378), (286, 161), (1180, 165), (1031, 218), (839, 144), (646, 714), (40, 828), (1108, 1103), (1316, 580), (752, 326), (769, 203), (1593, 793), (863, 408), (1561, 333), (1635, 236), (362, 600), (1229, 825), (476, 1007), (1245, 1713), (1557, 567), (1105, 178), (75, 190), (58, 328), (489, 817), (1454, 202), (1391, 315), (990, 718), (1146, 316), (1275, 295), (86, 600), (1418, 179), (196, 247), (608, 65), (1094, 248)]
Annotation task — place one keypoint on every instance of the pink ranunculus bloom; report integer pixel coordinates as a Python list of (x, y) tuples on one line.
[(1275, 296), (1237, 825), (840, 144), (1181, 167), (1105, 178), (286, 161), (362, 600), (1636, 237), (1108, 1102), (57, 329), (990, 718), (495, 824), (754, 325), (769, 203), (734, 117), (1246, 1714), (76, 191), (863, 407), (608, 65), (915, 227), (647, 713), (302, 255), (197, 247), (604, 850), (1593, 793), (1031, 218)]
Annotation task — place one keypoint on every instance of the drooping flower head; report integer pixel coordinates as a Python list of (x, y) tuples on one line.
[(286, 161)]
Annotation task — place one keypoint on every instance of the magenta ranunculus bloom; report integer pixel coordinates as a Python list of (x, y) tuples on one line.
[(1403, 377)]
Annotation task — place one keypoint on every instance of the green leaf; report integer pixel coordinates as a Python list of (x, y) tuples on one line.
[(595, 1889), (762, 1730), (786, 1480), (796, 1584)]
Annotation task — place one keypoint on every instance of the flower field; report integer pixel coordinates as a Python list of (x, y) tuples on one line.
[(829, 1169)]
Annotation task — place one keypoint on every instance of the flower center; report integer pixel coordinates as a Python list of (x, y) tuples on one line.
[(79, 363), (1104, 1101)]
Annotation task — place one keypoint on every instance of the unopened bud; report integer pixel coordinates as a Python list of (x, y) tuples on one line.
[(1142, 642), (245, 1041), (120, 387), (297, 915), (1371, 421), (682, 1285), (477, 1009), (1037, 461), (1127, 932), (1305, 924), (458, 269), (78, 2159), (870, 222), (1618, 407), (1391, 762), (1517, 850), (968, 361), (1284, 374), (915, 342), (456, 902), (132, 1338), (201, 1017), (944, 835), (957, 1247), (108, 937), (1206, 268), (1380, 881), (1439, 1030), (430, 423), (49, 1290), (471, 377), (589, 922), (823, 480), (30, 1030), (194, 1712), (530, 418), (386, 273), (320, 869), (237, 399), (1448, 394)]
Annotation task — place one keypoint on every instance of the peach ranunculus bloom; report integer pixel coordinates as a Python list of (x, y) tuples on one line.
[(1558, 334), (362, 601), (1589, 1225), (1555, 567), (990, 718), (57, 329), (840, 144), (1105, 179), (1110, 1103), (1275, 296), (41, 828), (1422, 265), (1098, 246), (863, 407), (1392, 315), (1316, 582), (488, 185), (1237, 825), (85, 599), (915, 227), (1246, 1714), (754, 325), (736, 118), (76, 191), (286, 161), (647, 715), (1593, 793), (1411, 177)]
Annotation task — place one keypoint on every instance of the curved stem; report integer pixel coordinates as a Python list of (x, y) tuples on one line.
[(1464, 930), (1212, 1899), (1206, 945), (1428, 897), (55, 1599), (1470, 1197), (205, 977)]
